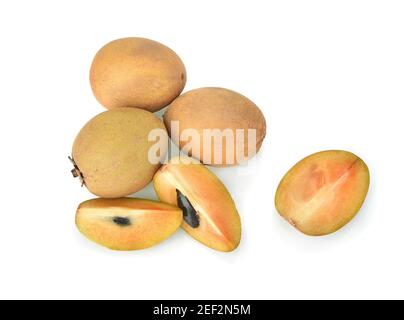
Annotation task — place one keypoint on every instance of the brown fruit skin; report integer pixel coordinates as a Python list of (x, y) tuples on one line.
[(111, 151), (151, 222), (137, 72), (220, 226), (215, 108), (323, 192)]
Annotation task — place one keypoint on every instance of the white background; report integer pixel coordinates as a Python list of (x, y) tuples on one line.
[(327, 74)]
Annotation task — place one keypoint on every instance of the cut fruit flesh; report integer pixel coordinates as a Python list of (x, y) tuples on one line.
[(219, 224), (323, 192), (127, 223)]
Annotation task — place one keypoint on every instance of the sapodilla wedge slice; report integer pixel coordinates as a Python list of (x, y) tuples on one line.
[(210, 214)]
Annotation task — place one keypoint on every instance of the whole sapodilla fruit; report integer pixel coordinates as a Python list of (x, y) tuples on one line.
[(137, 72), (210, 214), (114, 155), (323, 192), (218, 126), (127, 223)]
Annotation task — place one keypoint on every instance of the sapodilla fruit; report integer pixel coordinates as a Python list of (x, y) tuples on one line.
[(217, 126), (137, 72), (113, 154), (210, 215), (127, 223), (323, 192)]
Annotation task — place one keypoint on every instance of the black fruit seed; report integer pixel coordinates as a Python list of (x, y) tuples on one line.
[(190, 215), (76, 171), (121, 221)]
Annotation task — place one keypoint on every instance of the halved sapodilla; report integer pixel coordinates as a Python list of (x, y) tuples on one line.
[(210, 215), (126, 223), (323, 192)]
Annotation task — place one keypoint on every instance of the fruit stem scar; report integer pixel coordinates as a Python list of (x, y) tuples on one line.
[(76, 171), (122, 221), (190, 214), (292, 222)]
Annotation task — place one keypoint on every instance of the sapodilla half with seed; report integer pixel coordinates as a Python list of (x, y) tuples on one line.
[(323, 192), (127, 223), (137, 72), (112, 151), (210, 214), (218, 126)]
